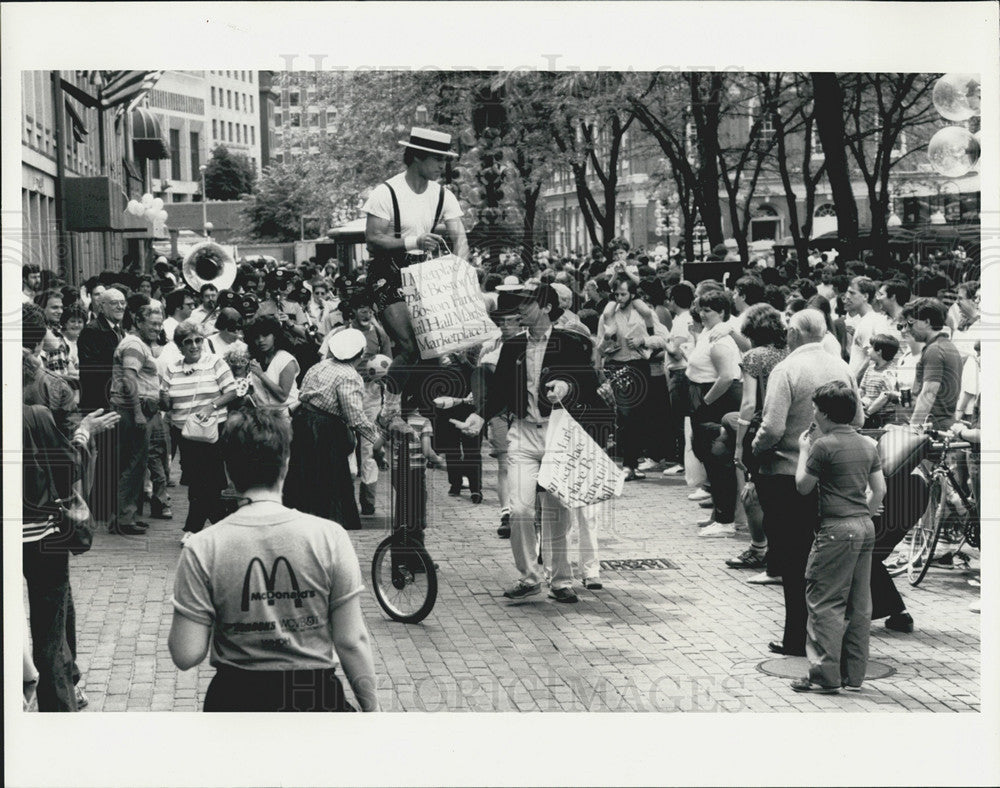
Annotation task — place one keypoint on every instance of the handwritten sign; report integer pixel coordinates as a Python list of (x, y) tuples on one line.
[(446, 308), (574, 468)]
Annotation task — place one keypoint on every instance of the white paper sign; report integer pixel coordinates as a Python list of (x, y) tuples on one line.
[(446, 307), (575, 469)]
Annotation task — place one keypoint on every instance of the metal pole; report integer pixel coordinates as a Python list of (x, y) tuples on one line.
[(204, 202)]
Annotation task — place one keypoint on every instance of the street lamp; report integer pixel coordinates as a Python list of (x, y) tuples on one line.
[(204, 201)]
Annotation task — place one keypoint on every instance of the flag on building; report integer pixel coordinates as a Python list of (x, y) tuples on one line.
[(122, 90)]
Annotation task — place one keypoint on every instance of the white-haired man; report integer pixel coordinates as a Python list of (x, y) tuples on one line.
[(790, 518)]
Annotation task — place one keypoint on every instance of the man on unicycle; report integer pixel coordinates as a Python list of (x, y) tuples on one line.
[(403, 213)]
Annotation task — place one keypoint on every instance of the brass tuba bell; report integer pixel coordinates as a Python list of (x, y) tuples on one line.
[(209, 264)]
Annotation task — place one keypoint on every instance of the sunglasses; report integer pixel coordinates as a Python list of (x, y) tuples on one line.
[(192, 341), (908, 323)]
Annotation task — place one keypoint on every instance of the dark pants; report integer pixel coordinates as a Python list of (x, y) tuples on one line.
[(706, 424), (790, 522), (631, 398), (53, 626), (204, 473), (462, 453), (133, 453), (104, 492), (233, 689), (905, 500), (657, 437), (677, 387)]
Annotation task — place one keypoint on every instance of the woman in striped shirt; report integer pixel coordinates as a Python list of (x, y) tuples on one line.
[(202, 384)]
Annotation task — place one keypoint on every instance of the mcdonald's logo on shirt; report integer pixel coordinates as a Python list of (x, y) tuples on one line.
[(270, 594)]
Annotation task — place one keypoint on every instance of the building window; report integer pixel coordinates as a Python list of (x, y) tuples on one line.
[(277, 119), (230, 131), (293, 98), (278, 157), (314, 119), (213, 96), (195, 154), (765, 131), (296, 120), (816, 145), (215, 129), (238, 133), (826, 209), (251, 102), (175, 154), (253, 136), (229, 98)]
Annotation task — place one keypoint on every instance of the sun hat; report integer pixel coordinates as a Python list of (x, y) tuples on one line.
[(430, 141), (346, 344)]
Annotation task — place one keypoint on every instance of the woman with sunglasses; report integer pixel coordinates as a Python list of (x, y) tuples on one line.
[(199, 385)]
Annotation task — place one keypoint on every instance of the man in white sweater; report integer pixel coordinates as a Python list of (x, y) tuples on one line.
[(790, 518)]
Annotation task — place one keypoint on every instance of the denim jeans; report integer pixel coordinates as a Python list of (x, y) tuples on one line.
[(839, 600)]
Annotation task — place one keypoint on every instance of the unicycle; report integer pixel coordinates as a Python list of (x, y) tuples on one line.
[(403, 575)]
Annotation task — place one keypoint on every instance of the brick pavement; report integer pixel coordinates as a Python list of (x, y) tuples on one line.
[(684, 639)]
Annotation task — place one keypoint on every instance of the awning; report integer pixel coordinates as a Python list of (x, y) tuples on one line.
[(147, 140)]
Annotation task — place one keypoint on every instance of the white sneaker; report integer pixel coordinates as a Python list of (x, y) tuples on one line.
[(649, 465), (764, 579), (718, 530), (673, 470), (700, 495)]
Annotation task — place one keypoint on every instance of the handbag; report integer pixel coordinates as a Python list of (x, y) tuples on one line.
[(74, 522), (197, 429)]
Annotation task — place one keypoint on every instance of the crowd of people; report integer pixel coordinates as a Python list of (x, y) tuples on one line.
[(751, 386)]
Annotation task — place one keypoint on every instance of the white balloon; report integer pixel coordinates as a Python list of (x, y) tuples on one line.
[(957, 96), (147, 200), (134, 207), (164, 216), (953, 151), (161, 215), (158, 204)]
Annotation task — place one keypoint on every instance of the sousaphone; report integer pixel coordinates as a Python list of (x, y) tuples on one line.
[(209, 264)]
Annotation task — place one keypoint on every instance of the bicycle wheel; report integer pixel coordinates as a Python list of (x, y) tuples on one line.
[(404, 579), (923, 538)]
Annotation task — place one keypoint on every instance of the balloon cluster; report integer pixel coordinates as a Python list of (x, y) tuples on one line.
[(954, 150), (149, 208)]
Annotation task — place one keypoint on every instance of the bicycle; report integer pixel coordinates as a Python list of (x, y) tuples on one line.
[(404, 577), (951, 517)]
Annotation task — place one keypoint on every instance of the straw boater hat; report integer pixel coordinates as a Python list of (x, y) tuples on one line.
[(430, 141)]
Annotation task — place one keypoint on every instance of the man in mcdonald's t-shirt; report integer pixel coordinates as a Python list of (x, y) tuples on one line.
[(274, 591)]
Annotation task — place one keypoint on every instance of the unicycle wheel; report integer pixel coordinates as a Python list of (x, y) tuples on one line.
[(404, 579)]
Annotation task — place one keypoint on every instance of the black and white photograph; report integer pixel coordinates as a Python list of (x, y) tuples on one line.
[(616, 376)]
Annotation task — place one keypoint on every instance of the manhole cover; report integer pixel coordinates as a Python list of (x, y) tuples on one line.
[(797, 667), (638, 563)]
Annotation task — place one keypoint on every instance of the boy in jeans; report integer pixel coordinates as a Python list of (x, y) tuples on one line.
[(847, 468)]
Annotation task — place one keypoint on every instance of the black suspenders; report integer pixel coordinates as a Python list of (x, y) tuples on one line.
[(396, 227)]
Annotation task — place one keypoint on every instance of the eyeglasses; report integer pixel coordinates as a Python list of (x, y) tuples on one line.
[(192, 341), (907, 323)]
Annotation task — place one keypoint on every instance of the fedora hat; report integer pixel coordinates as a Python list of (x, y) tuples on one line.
[(430, 141)]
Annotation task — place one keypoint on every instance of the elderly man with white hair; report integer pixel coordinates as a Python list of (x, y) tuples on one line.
[(789, 518)]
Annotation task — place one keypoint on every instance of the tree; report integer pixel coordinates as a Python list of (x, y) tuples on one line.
[(228, 176), (828, 95), (588, 125), (285, 194), (882, 109)]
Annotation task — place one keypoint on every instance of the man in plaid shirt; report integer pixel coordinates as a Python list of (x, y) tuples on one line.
[(55, 349), (330, 410)]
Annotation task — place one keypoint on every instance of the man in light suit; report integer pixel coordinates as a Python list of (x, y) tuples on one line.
[(537, 370)]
